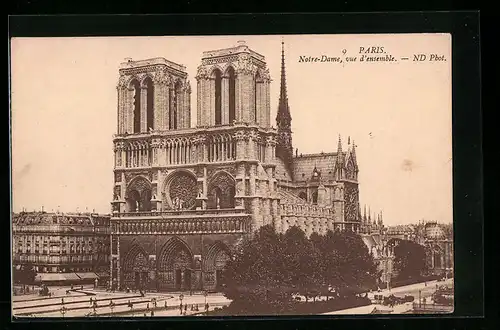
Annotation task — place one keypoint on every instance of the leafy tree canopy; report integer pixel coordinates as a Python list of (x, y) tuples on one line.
[(270, 268)]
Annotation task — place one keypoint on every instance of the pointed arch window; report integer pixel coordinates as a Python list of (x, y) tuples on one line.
[(218, 97), (232, 94), (174, 112), (149, 103), (136, 89), (315, 197), (256, 98)]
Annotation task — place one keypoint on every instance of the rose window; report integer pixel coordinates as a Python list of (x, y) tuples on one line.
[(182, 191)]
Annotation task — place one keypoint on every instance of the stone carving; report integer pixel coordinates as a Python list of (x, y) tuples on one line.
[(117, 193), (239, 188), (130, 176), (202, 73), (123, 81), (350, 171), (239, 136), (118, 177), (161, 77), (229, 169), (351, 202), (244, 65), (222, 180), (252, 135), (265, 74), (182, 191), (139, 184), (270, 141)]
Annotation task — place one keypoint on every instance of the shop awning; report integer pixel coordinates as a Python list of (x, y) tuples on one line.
[(87, 276), (54, 277)]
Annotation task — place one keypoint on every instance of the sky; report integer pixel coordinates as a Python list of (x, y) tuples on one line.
[(64, 112)]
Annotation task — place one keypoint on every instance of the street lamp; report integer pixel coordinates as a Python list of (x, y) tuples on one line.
[(63, 310)]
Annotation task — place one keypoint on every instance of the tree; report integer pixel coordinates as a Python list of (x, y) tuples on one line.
[(299, 262), (256, 277), (269, 268), (356, 268), (409, 259)]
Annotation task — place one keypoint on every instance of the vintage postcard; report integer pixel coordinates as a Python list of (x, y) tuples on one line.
[(232, 175)]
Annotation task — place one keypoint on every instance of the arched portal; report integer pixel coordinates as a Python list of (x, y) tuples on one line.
[(149, 103), (136, 90), (175, 266), (221, 191), (213, 267), (135, 268)]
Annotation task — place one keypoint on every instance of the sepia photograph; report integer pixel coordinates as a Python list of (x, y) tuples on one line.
[(238, 175)]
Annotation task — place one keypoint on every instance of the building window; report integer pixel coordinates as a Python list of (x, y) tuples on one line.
[(255, 99), (315, 197), (149, 103), (218, 97), (137, 105), (232, 95)]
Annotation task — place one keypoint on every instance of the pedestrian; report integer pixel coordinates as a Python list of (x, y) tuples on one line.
[(165, 304), (62, 300), (185, 308), (144, 314), (206, 307), (152, 313), (147, 307), (90, 301)]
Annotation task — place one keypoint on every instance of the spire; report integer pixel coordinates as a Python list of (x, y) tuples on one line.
[(283, 118), (284, 148), (364, 215), (339, 146)]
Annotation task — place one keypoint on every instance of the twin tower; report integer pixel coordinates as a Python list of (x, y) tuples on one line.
[(226, 161), (232, 87)]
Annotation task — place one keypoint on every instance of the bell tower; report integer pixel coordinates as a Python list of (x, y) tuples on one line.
[(233, 87), (153, 95)]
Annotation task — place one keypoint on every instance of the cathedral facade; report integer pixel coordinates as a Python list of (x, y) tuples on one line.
[(184, 197)]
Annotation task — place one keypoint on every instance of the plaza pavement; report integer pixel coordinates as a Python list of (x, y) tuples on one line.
[(78, 305), (426, 291)]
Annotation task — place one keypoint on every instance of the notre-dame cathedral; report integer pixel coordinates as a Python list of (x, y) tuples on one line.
[(185, 196)]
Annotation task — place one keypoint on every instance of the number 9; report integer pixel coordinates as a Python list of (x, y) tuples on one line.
[(344, 51)]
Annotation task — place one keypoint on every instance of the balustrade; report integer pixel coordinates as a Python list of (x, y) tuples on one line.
[(227, 224)]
